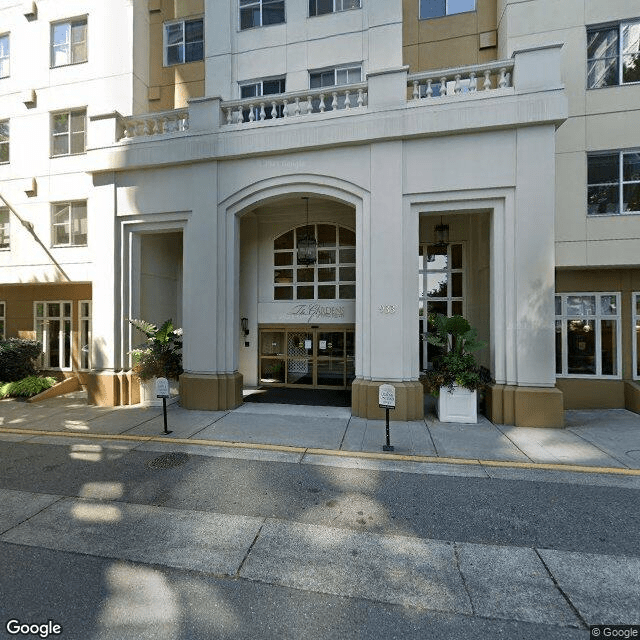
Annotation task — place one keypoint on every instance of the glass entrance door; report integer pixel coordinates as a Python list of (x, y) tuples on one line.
[(312, 357)]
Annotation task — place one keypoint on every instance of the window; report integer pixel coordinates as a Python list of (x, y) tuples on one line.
[(4, 228), (68, 132), (52, 322), (320, 7), (613, 182), (613, 55), (636, 333), (4, 141), (4, 55), (333, 276), (259, 13), (183, 42), (69, 224), (2, 320), (69, 42), (588, 334), (439, 8), (334, 77), (84, 316), (262, 88), (441, 290)]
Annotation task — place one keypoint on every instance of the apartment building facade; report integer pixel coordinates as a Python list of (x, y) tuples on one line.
[(298, 183)]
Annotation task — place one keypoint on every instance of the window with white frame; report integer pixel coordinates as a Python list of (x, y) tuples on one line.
[(68, 129), (613, 54), (439, 8), (636, 334), (69, 42), (335, 76), (260, 13), (588, 339), (4, 141), (5, 236), (613, 182), (3, 311), (183, 42), (267, 87), (84, 319), (441, 290), (4, 55), (332, 277), (320, 7), (52, 322), (69, 224)]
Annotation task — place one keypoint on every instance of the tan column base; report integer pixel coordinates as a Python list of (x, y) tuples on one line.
[(409, 400), (111, 389), (211, 392), (525, 406)]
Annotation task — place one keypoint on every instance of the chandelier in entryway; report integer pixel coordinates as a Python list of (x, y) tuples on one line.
[(307, 244)]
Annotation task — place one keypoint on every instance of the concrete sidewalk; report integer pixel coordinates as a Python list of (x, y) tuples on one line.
[(593, 439)]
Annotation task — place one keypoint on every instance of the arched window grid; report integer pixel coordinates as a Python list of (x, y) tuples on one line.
[(332, 277)]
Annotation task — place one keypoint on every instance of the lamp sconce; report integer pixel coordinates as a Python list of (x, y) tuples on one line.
[(245, 326)]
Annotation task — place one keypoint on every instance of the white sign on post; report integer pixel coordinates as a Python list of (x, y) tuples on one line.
[(162, 388), (387, 396)]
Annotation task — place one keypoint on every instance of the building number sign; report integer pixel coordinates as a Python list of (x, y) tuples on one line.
[(387, 308)]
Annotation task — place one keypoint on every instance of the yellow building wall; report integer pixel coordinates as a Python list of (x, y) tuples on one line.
[(450, 41), (171, 87)]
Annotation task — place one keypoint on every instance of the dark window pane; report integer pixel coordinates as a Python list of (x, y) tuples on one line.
[(603, 169), (304, 293), (193, 31), (456, 308), (271, 371), (631, 196), (602, 73), (326, 292), (456, 285), (437, 307), (347, 256), (326, 235), (558, 347), (456, 256), (194, 52), (272, 87), (581, 347), (609, 343), (306, 274), (347, 237), (249, 17), (631, 166), (347, 273), (283, 276), (432, 8), (326, 257), (175, 54), (283, 259), (273, 13), (174, 34), (272, 343), (285, 241), (631, 68), (283, 293), (347, 291), (603, 200), (326, 275)]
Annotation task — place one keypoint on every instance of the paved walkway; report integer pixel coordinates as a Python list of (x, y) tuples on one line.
[(593, 440)]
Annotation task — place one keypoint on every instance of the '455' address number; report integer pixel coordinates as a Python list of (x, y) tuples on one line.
[(387, 308)]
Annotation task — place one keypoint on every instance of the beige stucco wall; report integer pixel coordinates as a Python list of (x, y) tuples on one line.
[(450, 41)]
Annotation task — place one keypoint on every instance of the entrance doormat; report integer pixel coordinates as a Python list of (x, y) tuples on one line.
[(287, 395)]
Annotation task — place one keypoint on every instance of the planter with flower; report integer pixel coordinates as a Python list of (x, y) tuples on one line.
[(456, 377), (159, 357)]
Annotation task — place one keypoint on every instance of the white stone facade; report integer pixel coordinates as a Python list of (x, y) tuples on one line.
[(183, 207)]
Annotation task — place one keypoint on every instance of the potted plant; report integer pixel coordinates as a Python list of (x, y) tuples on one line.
[(456, 376), (159, 357)]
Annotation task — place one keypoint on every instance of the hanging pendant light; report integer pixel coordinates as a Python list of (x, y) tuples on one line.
[(307, 243), (442, 234)]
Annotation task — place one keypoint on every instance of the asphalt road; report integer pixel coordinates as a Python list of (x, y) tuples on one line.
[(114, 542)]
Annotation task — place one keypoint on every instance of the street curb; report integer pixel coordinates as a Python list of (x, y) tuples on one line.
[(369, 455)]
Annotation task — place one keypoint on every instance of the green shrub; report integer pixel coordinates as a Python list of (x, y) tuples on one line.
[(160, 357), (18, 358), (27, 387)]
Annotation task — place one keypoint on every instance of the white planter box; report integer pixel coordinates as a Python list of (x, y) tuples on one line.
[(461, 405), (148, 393)]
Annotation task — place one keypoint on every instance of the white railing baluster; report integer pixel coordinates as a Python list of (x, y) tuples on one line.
[(487, 80), (473, 82), (360, 97), (443, 86), (334, 102), (502, 82), (322, 105), (309, 105), (416, 89), (296, 108), (263, 113), (347, 102)]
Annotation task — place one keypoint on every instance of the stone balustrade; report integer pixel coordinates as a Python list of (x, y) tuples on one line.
[(159, 123), (442, 83), (294, 104)]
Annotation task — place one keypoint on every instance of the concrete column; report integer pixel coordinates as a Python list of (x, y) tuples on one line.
[(390, 284)]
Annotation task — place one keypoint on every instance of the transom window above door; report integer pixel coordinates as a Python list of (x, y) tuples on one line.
[(332, 277)]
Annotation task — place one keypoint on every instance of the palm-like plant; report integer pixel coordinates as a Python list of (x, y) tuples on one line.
[(457, 365), (160, 356)]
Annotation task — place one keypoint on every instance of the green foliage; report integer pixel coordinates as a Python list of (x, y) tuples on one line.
[(457, 365), (27, 387), (160, 356), (18, 358)]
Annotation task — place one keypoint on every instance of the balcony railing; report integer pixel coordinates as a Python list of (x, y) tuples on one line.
[(294, 104), (159, 123), (478, 78)]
